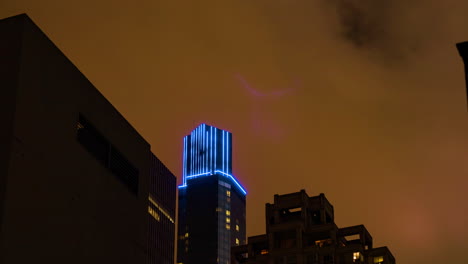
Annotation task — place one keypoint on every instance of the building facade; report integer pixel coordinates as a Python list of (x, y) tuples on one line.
[(211, 201), (76, 179), (161, 213), (301, 230)]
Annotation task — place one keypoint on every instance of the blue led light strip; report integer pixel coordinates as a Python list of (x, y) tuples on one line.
[(211, 148), (183, 162), (216, 157), (221, 173), (215, 150), (222, 134)]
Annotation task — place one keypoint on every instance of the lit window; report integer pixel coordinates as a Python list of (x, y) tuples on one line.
[(237, 241), (228, 212), (237, 227), (228, 193), (228, 226), (356, 256), (186, 234), (218, 209), (378, 260), (264, 251), (154, 214), (228, 220)]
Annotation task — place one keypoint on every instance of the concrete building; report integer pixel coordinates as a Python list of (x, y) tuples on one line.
[(301, 229), (75, 176), (211, 201)]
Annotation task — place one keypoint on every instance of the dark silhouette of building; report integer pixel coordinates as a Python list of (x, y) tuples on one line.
[(78, 184), (463, 50), (211, 200), (301, 229), (161, 209)]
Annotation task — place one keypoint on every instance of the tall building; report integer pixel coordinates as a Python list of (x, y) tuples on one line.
[(78, 184), (161, 209), (301, 230), (211, 200)]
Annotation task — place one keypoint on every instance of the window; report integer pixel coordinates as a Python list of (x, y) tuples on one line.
[(106, 154), (378, 260), (228, 226), (154, 214), (228, 220), (228, 212), (237, 241), (228, 193), (357, 256), (237, 227)]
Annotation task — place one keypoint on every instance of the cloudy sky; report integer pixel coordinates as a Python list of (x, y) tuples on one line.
[(363, 100)]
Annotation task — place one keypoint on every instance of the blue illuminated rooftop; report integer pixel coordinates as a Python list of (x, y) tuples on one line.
[(208, 151)]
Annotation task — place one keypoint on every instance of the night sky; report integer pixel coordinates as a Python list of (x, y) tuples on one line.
[(363, 100)]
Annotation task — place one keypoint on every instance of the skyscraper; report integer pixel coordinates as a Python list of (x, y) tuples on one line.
[(211, 200)]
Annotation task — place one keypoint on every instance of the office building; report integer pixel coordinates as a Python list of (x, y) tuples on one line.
[(301, 230), (75, 176), (211, 200), (161, 209)]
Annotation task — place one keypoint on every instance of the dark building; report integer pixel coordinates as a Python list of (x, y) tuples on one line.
[(161, 209), (301, 229), (211, 201), (463, 50), (78, 184)]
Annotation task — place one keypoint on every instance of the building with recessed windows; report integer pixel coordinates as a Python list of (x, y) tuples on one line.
[(211, 200), (78, 184), (301, 230)]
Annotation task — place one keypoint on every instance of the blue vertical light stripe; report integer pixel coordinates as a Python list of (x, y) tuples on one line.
[(202, 131), (191, 153), (206, 151), (192, 170), (227, 153), (183, 162), (211, 149), (204, 148), (216, 149), (224, 150), (196, 150), (200, 145)]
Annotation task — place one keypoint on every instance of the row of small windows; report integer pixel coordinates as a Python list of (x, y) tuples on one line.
[(98, 146)]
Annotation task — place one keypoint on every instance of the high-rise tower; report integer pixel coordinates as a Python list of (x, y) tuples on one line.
[(211, 200)]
